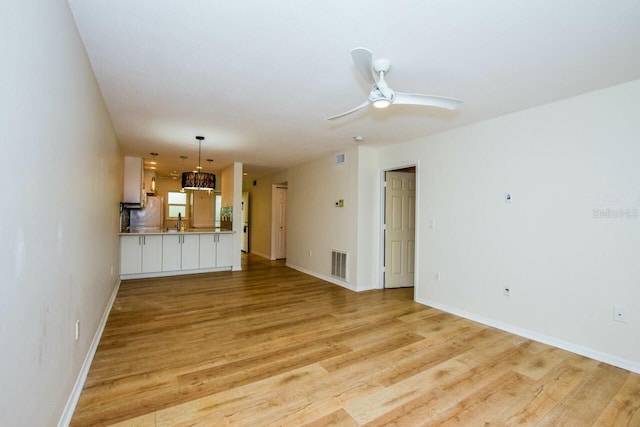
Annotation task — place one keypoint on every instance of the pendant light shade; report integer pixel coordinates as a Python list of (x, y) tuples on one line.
[(198, 180)]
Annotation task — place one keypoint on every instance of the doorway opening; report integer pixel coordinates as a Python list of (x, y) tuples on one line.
[(399, 227), (279, 221)]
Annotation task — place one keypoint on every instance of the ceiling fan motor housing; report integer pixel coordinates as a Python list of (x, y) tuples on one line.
[(381, 65)]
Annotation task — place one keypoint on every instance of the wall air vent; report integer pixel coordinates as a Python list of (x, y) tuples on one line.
[(340, 159), (339, 264)]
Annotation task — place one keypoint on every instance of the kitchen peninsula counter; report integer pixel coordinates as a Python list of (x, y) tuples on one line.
[(158, 253), (172, 231)]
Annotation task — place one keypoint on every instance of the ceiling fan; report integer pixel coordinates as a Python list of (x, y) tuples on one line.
[(381, 95)]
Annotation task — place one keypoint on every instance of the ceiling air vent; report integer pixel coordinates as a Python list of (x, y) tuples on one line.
[(340, 159), (339, 264)]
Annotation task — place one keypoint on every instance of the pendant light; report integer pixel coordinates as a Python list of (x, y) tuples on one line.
[(153, 178), (198, 180)]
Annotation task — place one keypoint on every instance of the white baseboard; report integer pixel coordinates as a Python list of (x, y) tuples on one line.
[(564, 345), (323, 277), (72, 402)]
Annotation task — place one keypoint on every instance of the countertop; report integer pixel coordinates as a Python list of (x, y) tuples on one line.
[(188, 231)]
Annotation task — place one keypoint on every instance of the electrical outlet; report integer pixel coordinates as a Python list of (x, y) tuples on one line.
[(310, 253), (77, 330), (620, 314), (506, 290), (437, 277)]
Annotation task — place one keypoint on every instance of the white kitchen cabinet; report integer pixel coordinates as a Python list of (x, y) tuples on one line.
[(207, 250), (215, 250), (180, 252), (224, 250), (130, 255), (140, 254), (190, 251), (170, 254), (151, 253), (134, 193)]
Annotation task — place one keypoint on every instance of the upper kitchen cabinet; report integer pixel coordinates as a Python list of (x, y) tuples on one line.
[(134, 194)]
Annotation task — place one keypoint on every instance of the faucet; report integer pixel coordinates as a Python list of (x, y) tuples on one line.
[(179, 221)]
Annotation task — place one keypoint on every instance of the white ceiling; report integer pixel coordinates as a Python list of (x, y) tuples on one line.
[(258, 78)]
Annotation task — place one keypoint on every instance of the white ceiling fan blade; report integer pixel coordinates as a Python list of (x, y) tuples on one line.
[(359, 107), (363, 59), (428, 100)]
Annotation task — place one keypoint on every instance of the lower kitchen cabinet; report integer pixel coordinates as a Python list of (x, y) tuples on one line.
[(167, 254), (151, 253), (207, 250), (140, 254), (224, 250), (215, 250), (180, 252), (190, 252)]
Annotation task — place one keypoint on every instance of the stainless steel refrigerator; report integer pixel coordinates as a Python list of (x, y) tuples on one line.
[(148, 219)]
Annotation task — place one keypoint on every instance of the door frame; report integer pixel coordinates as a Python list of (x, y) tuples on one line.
[(382, 207)]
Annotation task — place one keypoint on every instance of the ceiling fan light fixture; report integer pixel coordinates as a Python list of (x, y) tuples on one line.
[(381, 103)]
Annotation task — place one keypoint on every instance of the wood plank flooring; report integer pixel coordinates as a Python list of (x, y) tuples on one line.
[(272, 346)]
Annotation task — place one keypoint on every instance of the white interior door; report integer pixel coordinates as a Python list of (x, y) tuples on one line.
[(399, 246), (280, 223)]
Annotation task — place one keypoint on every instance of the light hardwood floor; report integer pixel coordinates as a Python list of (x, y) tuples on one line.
[(272, 346)]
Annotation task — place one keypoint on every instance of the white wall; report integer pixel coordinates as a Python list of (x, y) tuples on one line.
[(231, 190), (227, 186), (368, 219), (237, 215), (62, 182), (315, 224), (567, 270)]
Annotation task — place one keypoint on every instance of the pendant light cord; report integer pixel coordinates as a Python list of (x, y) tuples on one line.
[(199, 138)]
